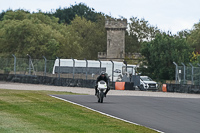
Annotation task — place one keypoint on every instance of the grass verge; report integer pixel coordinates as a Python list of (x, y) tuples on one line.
[(37, 112)]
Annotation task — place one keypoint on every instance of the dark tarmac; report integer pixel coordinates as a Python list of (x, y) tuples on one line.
[(170, 115)]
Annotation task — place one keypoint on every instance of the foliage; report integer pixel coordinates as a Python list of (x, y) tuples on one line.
[(194, 37), (160, 54), (67, 15), (91, 38), (131, 42), (38, 35), (24, 33), (1, 15), (139, 30), (195, 58)]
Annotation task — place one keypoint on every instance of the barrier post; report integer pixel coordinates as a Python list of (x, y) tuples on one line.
[(86, 68), (176, 73), (73, 67), (183, 73), (192, 73), (100, 66), (58, 68), (29, 68), (112, 72), (125, 64), (45, 65), (14, 63), (199, 75)]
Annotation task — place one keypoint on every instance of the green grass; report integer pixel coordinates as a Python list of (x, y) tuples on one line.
[(37, 112)]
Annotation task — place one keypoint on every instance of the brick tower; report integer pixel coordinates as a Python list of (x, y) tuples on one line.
[(115, 40)]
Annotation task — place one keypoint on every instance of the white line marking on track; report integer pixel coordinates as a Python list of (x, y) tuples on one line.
[(104, 113)]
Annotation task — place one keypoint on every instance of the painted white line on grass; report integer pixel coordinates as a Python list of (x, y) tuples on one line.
[(104, 113)]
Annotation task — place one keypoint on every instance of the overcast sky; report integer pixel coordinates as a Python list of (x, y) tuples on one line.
[(167, 15)]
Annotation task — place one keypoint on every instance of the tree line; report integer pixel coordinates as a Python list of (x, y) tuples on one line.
[(78, 31)]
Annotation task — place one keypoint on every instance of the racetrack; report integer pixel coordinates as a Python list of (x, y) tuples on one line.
[(167, 112), (170, 115)]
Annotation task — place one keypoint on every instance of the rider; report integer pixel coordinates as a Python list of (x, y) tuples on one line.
[(103, 77)]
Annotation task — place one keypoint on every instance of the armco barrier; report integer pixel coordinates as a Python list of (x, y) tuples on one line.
[(87, 83), (31, 79), (187, 88)]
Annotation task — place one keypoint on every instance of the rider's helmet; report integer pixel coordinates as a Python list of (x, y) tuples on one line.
[(103, 73)]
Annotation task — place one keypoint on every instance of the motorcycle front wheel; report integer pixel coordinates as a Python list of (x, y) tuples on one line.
[(101, 97)]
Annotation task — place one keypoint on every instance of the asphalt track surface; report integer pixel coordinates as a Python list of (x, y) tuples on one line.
[(170, 115)]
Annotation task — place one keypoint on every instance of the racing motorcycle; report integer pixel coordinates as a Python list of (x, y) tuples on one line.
[(102, 86)]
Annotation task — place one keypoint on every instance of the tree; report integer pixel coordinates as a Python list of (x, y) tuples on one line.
[(131, 42), (1, 15), (22, 33), (160, 53), (194, 37), (91, 37), (139, 30), (16, 15), (67, 15)]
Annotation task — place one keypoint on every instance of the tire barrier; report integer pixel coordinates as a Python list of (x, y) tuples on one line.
[(164, 88), (119, 85), (124, 86), (187, 88), (31, 79)]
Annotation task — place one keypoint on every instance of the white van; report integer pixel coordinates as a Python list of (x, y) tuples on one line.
[(118, 68), (146, 83)]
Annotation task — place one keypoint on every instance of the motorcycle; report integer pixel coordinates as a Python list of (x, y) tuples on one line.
[(102, 86)]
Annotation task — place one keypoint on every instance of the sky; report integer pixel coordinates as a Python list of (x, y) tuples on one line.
[(167, 15)]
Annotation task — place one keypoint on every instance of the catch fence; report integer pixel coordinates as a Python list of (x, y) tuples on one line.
[(40, 71), (187, 79), (187, 74)]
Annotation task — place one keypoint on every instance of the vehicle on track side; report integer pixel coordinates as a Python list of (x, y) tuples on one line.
[(146, 83)]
